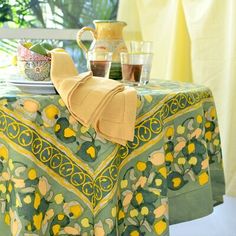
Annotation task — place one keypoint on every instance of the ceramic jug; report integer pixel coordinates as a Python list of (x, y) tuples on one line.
[(107, 37)]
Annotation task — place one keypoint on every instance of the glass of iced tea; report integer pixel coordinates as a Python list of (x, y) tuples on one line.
[(99, 63), (143, 47), (133, 67)]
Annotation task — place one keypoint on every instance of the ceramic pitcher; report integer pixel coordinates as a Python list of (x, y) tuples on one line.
[(107, 37)]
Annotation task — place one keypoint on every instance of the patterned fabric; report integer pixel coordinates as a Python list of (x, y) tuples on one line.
[(60, 178)]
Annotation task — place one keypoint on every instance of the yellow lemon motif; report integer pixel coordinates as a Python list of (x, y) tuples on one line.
[(192, 161), (160, 227), (91, 151), (37, 201), (124, 183), (141, 166), (163, 171), (199, 119), (27, 199), (158, 182), (7, 218), (57, 127), (121, 215), (3, 153), (180, 129), (133, 213), (76, 210), (176, 182), (213, 112), (3, 188), (32, 174), (169, 132), (134, 233), (169, 157), (60, 217), (216, 142), (181, 160), (55, 229), (144, 211), (203, 178), (51, 111), (37, 219), (208, 135), (139, 198), (113, 211), (85, 222), (59, 198), (208, 125), (69, 133), (191, 148)]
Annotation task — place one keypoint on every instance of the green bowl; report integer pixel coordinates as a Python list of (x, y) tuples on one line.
[(35, 70)]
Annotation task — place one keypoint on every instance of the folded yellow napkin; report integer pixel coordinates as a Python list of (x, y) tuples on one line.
[(103, 103)]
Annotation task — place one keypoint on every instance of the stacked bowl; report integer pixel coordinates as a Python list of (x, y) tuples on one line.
[(34, 61)]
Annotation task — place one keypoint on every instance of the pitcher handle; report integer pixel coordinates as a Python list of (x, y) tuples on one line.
[(79, 37)]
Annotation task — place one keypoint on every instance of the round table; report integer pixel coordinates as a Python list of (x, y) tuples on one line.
[(58, 177)]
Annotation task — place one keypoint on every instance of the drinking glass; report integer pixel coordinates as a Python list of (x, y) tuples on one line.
[(99, 63), (143, 47), (134, 66)]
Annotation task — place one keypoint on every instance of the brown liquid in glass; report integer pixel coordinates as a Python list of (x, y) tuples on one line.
[(100, 68), (131, 72)]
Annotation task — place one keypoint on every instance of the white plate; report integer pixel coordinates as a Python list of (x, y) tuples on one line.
[(22, 81), (35, 88)]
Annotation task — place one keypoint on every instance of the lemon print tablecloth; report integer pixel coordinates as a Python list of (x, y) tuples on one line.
[(60, 178)]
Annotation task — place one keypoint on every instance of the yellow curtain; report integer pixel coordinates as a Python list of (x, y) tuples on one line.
[(163, 23), (193, 41)]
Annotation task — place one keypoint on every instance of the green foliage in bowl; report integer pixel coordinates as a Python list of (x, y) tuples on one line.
[(40, 48)]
